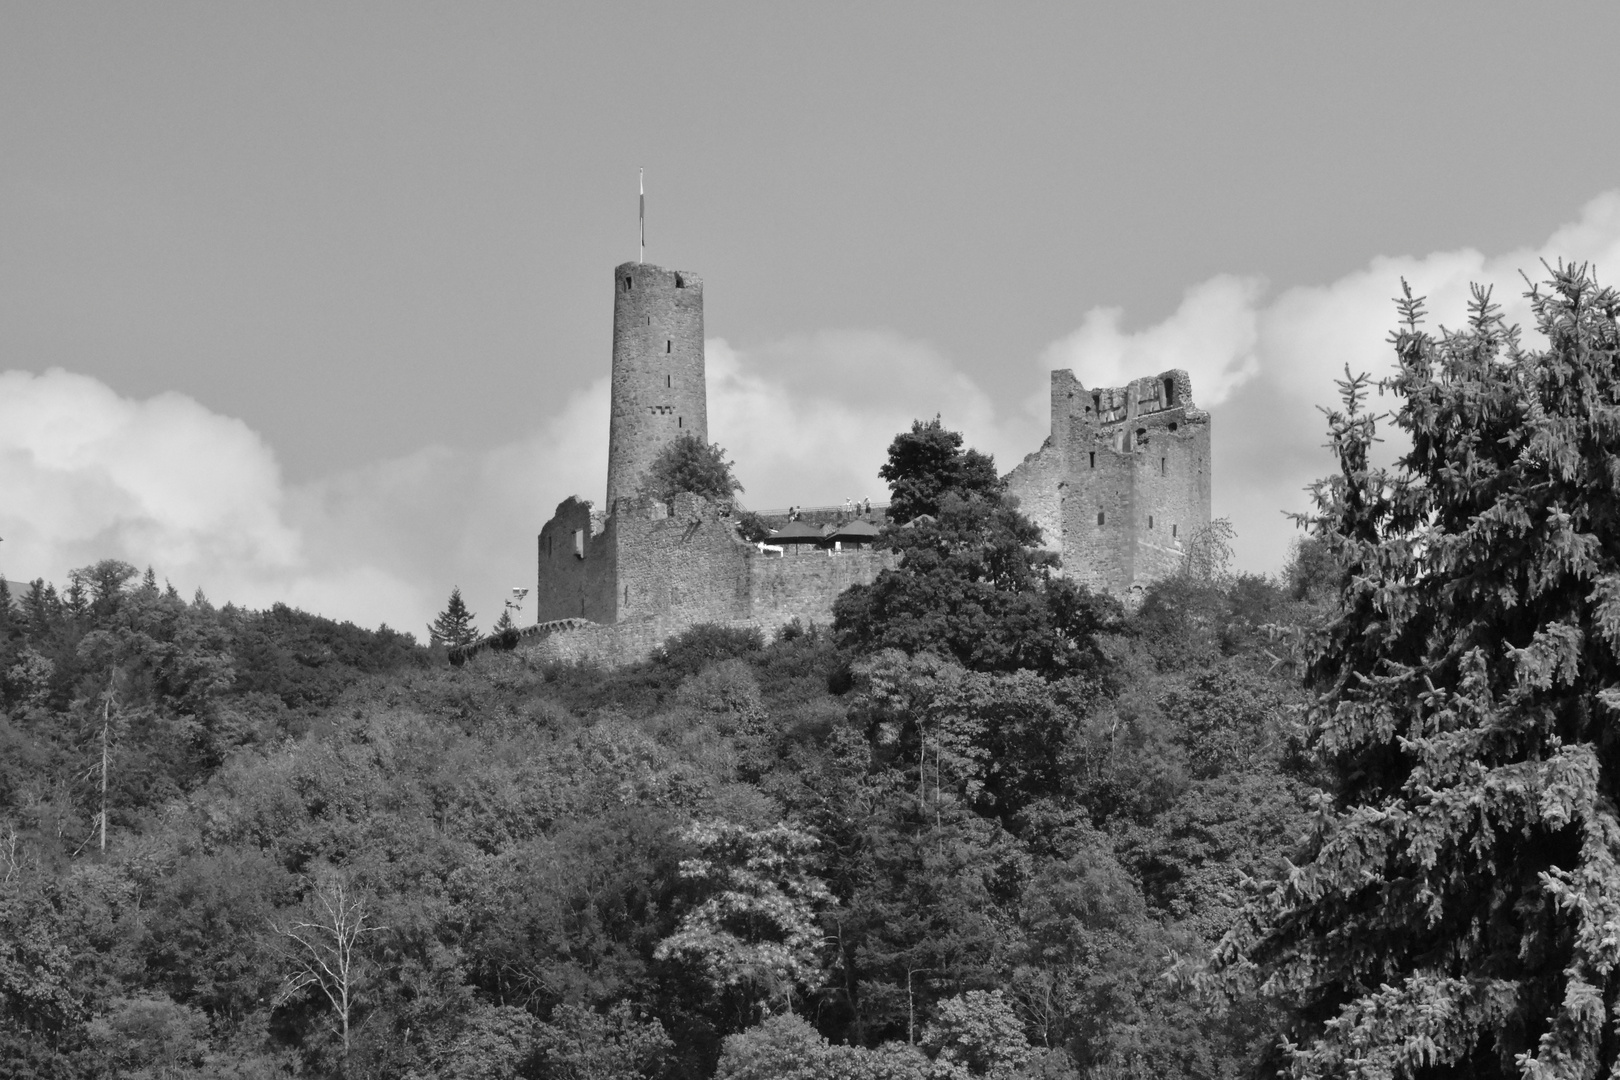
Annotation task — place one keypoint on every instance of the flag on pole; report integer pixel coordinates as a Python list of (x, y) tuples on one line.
[(642, 184)]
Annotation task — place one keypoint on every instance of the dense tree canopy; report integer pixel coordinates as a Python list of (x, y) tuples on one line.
[(738, 854), (1457, 911)]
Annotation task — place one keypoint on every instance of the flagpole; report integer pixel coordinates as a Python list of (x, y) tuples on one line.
[(641, 183)]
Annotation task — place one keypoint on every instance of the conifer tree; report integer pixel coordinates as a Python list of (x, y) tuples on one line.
[(1457, 912), (454, 625)]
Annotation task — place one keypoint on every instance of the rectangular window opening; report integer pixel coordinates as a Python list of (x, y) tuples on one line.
[(666, 381), (1150, 522), (669, 346), (1099, 517), (1169, 392), (678, 422), (1094, 459), (1161, 467), (626, 284), (1172, 532)]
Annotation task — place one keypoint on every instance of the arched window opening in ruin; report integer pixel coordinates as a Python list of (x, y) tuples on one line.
[(1169, 392), (680, 282), (1172, 425), (1096, 403)]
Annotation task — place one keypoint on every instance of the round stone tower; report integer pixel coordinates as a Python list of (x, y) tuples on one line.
[(658, 384)]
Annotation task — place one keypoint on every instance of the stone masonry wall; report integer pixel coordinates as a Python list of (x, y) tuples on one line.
[(576, 566), (655, 570)]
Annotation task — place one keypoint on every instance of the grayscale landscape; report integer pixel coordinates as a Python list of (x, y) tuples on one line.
[(850, 542)]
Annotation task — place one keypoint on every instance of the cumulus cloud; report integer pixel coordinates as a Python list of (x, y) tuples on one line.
[(1212, 335), (87, 474), (809, 419)]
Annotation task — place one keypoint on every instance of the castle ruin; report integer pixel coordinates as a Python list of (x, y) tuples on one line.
[(643, 569), (1117, 490), (1122, 482)]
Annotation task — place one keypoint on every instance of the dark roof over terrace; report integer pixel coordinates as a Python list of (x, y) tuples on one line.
[(798, 532), (853, 530)]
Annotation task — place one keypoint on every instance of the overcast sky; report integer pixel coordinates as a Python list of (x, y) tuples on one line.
[(313, 301)]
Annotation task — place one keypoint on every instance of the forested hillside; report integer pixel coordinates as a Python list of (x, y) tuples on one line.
[(967, 831)]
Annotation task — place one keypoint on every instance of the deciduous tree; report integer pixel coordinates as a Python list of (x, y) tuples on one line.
[(690, 464), (323, 948)]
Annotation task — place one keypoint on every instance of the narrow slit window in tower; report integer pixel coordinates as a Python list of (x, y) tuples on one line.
[(627, 594), (1172, 532), (667, 382), (1099, 517), (669, 346), (1150, 522), (1169, 392), (626, 284), (678, 422), (1094, 459), (1161, 467)]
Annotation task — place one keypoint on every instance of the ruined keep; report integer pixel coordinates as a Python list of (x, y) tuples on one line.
[(1123, 481)]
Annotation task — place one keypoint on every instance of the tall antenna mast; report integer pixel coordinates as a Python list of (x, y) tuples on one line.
[(641, 182)]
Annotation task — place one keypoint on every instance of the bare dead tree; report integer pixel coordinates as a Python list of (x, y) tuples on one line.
[(323, 949), (106, 729)]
